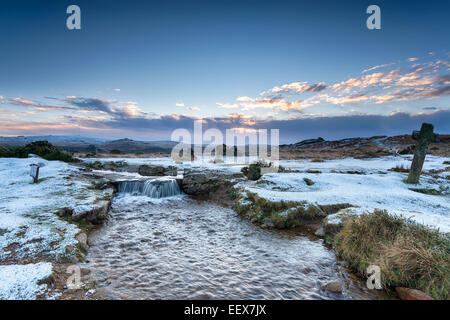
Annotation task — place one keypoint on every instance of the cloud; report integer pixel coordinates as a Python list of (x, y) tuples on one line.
[(377, 67), (266, 103), (298, 87), (291, 130), (116, 90), (398, 82), (19, 101), (89, 104), (51, 108), (375, 91), (130, 110)]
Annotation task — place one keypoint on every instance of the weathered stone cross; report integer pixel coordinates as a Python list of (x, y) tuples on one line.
[(424, 137)]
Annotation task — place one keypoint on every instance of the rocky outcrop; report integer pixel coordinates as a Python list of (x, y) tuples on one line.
[(411, 294), (64, 212), (205, 182), (309, 142), (153, 171), (95, 215)]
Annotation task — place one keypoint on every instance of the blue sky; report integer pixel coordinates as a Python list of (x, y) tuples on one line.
[(141, 69)]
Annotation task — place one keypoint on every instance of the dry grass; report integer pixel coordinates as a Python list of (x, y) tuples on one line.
[(408, 254), (400, 168)]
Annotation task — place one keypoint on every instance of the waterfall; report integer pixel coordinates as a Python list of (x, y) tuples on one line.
[(155, 188)]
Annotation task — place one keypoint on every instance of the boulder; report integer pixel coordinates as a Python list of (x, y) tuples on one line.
[(333, 286), (153, 171), (205, 182), (64, 212), (411, 294), (98, 213)]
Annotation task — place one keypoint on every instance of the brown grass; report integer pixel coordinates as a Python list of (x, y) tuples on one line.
[(400, 168), (408, 254)]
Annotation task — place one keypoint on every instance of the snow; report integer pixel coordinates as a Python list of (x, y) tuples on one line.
[(377, 188), (235, 164), (366, 165), (27, 210), (20, 282), (232, 165)]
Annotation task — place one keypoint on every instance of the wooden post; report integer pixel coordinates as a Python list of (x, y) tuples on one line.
[(424, 137), (34, 172)]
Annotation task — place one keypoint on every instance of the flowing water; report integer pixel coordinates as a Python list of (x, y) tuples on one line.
[(153, 188), (180, 248)]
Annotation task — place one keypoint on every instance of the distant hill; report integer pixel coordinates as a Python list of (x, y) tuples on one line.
[(20, 140), (87, 144)]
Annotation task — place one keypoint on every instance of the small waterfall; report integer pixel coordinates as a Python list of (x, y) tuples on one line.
[(157, 188)]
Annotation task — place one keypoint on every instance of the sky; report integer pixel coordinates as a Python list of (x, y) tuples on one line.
[(141, 69)]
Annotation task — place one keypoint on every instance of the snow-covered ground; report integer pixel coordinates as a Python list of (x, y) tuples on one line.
[(235, 164), (376, 188), (366, 165), (29, 229), (30, 232), (21, 282), (232, 165)]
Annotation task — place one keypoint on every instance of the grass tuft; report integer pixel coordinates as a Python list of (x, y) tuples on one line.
[(408, 254), (400, 168), (283, 214)]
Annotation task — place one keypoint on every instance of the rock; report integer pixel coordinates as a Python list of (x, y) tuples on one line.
[(98, 295), (83, 241), (90, 284), (97, 214), (85, 271), (333, 286), (61, 233), (200, 183), (309, 142), (268, 223), (308, 182), (64, 212), (411, 294), (147, 170), (205, 182), (69, 249), (307, 270), (320, 232)]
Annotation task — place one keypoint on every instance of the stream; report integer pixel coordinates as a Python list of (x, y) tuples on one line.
[(181, 248)]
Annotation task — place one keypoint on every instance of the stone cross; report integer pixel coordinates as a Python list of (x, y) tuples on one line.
[(424, 137)]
